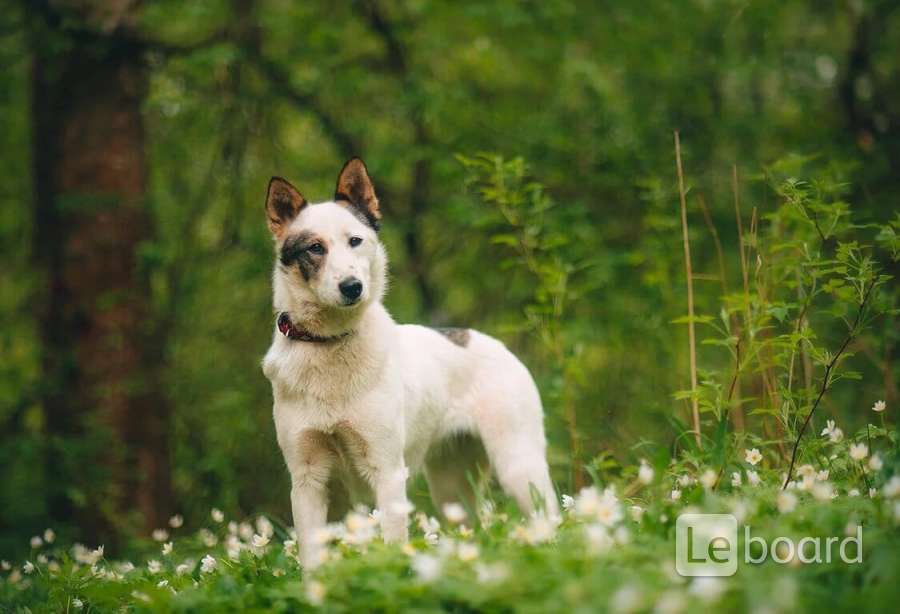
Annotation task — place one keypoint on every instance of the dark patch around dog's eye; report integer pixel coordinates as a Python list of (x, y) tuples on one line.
[(459, 336), (354, 241), (305, 250)]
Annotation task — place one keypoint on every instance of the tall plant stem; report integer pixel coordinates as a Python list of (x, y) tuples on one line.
[(826, 380), (692, 341)]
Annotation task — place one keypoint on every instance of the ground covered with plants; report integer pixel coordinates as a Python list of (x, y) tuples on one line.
[(613, 548)]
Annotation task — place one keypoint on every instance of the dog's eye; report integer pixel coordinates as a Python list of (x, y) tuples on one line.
[(354, 241), (316, 248)]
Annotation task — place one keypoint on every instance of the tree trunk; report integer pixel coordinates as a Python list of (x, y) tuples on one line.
[(101, 367)]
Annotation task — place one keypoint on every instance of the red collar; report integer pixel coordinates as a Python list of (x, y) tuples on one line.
[(287, 328)]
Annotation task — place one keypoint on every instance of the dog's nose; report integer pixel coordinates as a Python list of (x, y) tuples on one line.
[(351, 288)]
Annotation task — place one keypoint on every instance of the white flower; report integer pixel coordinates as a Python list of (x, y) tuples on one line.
[(315, 592), (176, 521), (290, 547), (209, 539), (853, 492), (28, 567), (752, 478), (77, 603), (208, 564), (834, 433), (42, 559), (36, 542), (49, 536), (753, 456), (454, 513), (167, 548), (183, 568), (685, 480), (154, 566), (260, 541), (708, 479), (823, 491), (708, 589), (604, 508), (245, 530), (676, 494), (875, 463), (160, 535), (873, 492), (822, 475), (892, 487), (489, 574), (265, 527), (217, 515), (427, 567), (806, 471), (162, 584), (626, 600), (598, 538), (736, 479), (467, 552), (5, 565), (786, 502), (645, 473), (879, 406), (859, 451), (568, 503)]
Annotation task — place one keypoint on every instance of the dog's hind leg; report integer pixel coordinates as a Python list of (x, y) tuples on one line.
[(449, 467)]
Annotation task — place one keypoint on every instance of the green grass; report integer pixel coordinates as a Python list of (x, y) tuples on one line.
[(606, 554)]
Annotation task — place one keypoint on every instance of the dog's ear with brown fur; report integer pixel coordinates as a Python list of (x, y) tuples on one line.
[(355, 190), (283, 203)]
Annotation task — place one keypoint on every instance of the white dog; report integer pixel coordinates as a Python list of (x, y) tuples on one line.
[(361, 398)]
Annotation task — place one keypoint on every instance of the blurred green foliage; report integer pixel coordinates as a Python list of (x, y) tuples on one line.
[(589, 93)]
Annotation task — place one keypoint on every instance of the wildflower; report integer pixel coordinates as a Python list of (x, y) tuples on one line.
[(676, 494), (36, 542), (568, 503), (834, 433), (875, 463), (162, 584), (685, 480), (853, 492), (49, 536), (708, 589), (892, 487), (467, 552), (167, 548), (489, 574), (260, 541), (5, 565), (598, 538), (208, 564), (806, 471), (154, 566), (823, 491), (605, 508), (42, 559), (209, 539), (753, 456), (627, 599), (77, 603), (786, 502), (265, 527), (454, 513), (645, 473), (736, 479), (859, 451), (290, 547), (217, 515), (315, 592), (176, 521), (126, 567), (160, 535), (182, 569), (753, 478), (708, 479), (14, 577), (245, 530), (873, 492), (427, 567), (28, 567), (879, 406), (465, 531)]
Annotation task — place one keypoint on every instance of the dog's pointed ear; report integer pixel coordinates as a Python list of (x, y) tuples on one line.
[(355, 189), (283, 203)]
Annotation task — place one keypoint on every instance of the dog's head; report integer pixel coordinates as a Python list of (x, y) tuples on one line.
[(329, 261)]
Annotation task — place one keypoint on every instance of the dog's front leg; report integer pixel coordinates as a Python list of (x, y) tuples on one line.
[(309, 505), (390, 495)]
